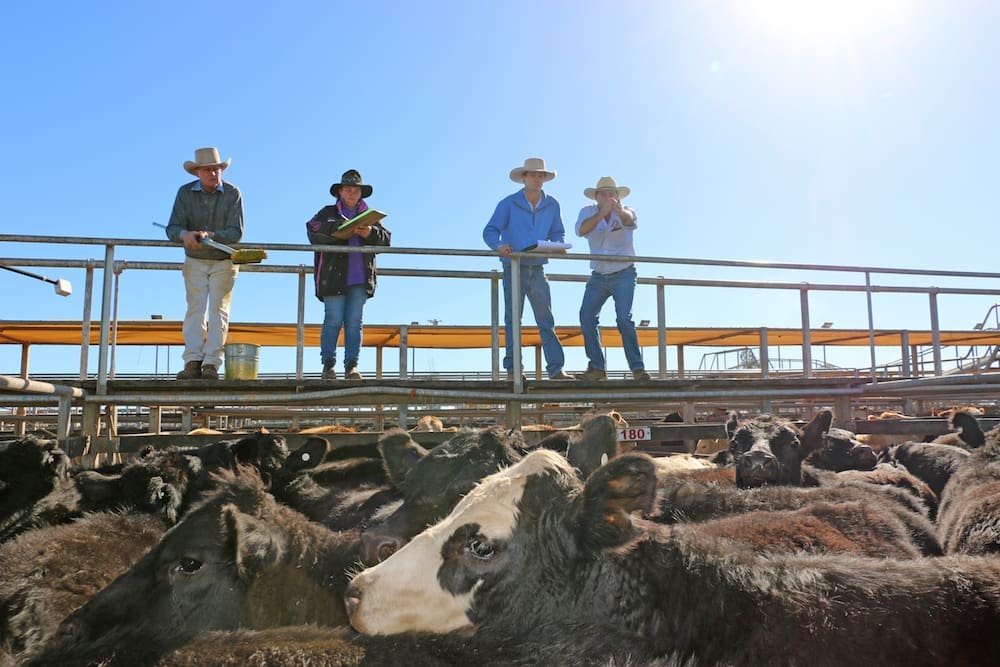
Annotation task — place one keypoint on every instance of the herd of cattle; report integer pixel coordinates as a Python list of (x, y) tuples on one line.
[(797, 545)]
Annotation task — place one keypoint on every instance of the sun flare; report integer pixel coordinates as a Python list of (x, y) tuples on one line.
[(822, 22)]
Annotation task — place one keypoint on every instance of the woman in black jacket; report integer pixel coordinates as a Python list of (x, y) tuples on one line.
[(344, 281)]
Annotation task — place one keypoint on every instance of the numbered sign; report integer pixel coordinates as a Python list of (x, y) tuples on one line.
[(633, 433)]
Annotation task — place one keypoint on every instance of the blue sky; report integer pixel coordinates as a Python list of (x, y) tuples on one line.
[(847, 132)]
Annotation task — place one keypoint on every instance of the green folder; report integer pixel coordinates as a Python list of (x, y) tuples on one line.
[(369, 217)]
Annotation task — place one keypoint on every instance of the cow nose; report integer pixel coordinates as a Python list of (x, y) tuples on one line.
[(375, 548), (757, 461), (352, 599)]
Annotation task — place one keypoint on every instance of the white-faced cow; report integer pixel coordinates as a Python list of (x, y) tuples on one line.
[(533, 544)]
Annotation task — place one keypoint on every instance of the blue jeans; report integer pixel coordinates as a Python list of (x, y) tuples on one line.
[(536, 288), (620, 286), (343, 311)]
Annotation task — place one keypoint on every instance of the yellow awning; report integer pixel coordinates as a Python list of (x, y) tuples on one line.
[(163, 332)]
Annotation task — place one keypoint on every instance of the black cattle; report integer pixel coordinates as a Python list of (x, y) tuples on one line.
[(968, 433), (30, 470), (48, 572), (166, 481), (533, 544), (969, 517), (353, 493), (770, 450), (850, 527), (432, 484), (589, 448), (238, 559), (933, 463), (839, 450), (706, 495)]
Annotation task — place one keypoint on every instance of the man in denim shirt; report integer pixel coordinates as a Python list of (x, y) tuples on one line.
[(608, 227), (519, 222)]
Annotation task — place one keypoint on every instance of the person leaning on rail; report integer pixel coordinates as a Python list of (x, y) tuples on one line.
[(520, 221), (608, 227), (206, 208)]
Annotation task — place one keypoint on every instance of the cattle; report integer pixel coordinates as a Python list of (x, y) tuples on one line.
[(840, 450), (237, 559), (932, 463), (165, 481), (857, 527), (770, 450), (533, 543), (969, 517), (968, 433), (434, 483), (588, 448), (681, 462), (48, 572), (30, 470), (700, 496)]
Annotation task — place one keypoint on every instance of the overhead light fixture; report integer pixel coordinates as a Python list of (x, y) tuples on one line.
[(978, 327), (414, 324), (826, 325), (643, 323)]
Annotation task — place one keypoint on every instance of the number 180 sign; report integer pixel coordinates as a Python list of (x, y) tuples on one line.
[(633, 433)]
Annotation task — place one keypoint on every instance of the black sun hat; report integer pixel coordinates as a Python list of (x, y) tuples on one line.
[(351, 177)]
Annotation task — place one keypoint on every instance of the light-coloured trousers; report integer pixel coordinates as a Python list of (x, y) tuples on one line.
[(208, 284)]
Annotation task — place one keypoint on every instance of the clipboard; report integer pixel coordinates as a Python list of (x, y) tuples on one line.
[(548, 247), (369, 217)]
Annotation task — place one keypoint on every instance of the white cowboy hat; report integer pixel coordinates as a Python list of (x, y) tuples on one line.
[(531, 164), (205, 157), (606, 183)]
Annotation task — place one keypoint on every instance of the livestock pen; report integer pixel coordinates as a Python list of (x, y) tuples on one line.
[(936, 365)]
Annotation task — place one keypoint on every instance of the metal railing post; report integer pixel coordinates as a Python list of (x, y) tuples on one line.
[(935, 332), (806, 333), (661, 329), (300, 326)]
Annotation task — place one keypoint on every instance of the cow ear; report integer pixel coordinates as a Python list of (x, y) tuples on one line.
[(731, 424), (250, 544), (723, 457), (814, 431), (399, 452), (311, 454), (602, 513), (246, 451)]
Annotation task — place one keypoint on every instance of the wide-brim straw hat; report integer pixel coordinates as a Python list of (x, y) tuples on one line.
[(531, 164), (351, 177), (606, 183), (205, 157)]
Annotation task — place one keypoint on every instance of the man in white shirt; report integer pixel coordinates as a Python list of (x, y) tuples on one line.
[(608, 227)]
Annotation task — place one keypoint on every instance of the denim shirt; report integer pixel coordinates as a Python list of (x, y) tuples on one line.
[(514, 222)]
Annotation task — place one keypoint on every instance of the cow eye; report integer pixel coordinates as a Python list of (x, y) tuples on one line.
[(480, 549), (188, 565)]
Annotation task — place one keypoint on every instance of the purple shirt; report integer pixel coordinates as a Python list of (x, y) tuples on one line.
[(356, 260)]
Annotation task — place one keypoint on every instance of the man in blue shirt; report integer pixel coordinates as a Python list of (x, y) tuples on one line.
[(519, 222)]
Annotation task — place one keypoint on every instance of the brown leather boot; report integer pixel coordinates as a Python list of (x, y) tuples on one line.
[(329, 370), (192, 371), (351, 372), (209, 372)]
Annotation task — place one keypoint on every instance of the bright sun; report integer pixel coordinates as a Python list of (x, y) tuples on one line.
[(819, 23)]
